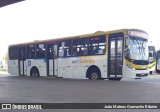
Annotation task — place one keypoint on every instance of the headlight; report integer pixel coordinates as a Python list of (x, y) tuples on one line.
[(131, 67)]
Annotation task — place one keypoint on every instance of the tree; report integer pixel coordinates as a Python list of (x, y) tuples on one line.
[(5, 57)]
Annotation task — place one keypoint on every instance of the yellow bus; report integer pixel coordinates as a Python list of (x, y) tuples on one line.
[(158, 61), (152, 58), (109, 55)]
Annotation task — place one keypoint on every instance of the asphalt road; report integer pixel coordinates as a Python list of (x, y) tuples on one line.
[(15, 89)]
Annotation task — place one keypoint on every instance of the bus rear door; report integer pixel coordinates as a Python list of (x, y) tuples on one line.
[(22, 61), (52, 63)]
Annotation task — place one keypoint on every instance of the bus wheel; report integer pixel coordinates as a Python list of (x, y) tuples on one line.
[(150, 72), (94, 75), (34, 72)]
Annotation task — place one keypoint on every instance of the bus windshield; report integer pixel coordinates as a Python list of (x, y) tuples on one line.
[(137, 49)]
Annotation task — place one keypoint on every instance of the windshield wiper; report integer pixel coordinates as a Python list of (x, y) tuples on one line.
[(140, 44), (141, 62), (137, 44)]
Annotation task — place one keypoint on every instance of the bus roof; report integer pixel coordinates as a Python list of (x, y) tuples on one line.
[(74, 37)]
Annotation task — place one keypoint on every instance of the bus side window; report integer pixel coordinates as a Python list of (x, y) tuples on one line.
[(80, 47), (97, 45), (101, 50), (61, 49), (84, 47), (13, 53), (78, 51), (85, 51), (67, 48), (55, 52), (40, 51), (31, 51), (90, 50)]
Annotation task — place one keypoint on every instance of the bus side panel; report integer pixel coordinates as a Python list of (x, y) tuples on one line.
[(79, 70), (29, 65), (102, 64), (70, 68), (13, 67), (39, 63), (98, 61), (76, 67), (62, 67)]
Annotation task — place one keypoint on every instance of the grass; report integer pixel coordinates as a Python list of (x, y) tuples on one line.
[(3, 70)]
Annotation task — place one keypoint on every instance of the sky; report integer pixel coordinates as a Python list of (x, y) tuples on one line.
[(45, 19)]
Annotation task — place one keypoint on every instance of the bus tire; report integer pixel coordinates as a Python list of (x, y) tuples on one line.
[(34, 72), (94, 74), (150, 72)]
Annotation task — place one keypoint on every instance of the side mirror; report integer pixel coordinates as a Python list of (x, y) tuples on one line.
[(127, 48), (155, 55), (127, 52)]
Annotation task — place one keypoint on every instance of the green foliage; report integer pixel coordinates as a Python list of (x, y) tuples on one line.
[(3, 70), (5, 56)]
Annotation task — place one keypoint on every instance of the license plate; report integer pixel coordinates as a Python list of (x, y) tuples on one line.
[(142, 67)]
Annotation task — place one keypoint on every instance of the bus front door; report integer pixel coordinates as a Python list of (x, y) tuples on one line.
[(22, 61), (115, 56), (52, 63)]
